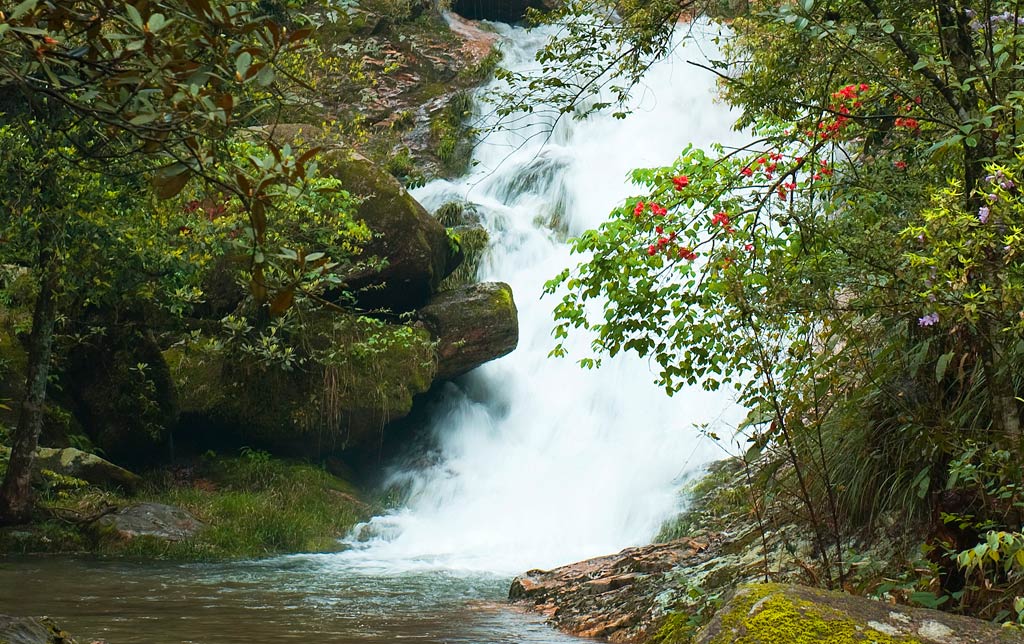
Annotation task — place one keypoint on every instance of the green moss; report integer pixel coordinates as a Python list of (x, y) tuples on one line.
[(765, 614), (677, 628), (451, 136), (359, 373)]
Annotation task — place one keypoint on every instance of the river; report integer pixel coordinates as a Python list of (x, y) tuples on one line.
[(538, 462)]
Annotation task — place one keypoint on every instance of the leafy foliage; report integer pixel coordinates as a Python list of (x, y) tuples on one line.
[(853, 272)]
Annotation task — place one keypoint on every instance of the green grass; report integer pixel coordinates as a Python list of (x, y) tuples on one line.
[(254, 507)]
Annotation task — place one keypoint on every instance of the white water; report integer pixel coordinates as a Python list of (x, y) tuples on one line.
[(543, 463)]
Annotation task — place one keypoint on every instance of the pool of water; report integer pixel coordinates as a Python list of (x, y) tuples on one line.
[(290, 599)]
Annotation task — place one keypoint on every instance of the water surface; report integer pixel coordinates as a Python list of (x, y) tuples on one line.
[(288, 599)]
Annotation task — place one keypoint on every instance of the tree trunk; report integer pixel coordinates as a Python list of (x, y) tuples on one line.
[(16, 492), (1002, 398)]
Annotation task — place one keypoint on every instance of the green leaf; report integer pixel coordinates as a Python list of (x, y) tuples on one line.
[(265, 76), (22, 8), (157, 22), (133, 15), (941, 365), (242, 64)]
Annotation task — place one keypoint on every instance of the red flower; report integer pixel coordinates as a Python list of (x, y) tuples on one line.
[(748, 247), (639, 210), (747, 172), (681, 182), (909, 123), (900, 165), (652, 249), (658, 210), (720, 218)]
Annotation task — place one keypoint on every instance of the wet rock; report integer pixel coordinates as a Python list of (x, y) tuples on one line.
[(786, 613), (476, 43), (83, 465), (29, 630), (612, 597), (473, 325), (154, 520)]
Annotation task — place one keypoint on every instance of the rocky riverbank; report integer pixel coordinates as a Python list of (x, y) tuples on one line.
[(710, 587)]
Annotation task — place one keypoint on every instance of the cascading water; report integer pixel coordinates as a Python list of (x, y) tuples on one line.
[(543, 463)]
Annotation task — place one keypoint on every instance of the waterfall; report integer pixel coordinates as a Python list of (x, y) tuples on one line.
[(541, 462)]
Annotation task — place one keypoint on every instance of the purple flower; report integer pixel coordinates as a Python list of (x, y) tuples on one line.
[(1007, 185), (993, 197), (983, 214), (928, 320)]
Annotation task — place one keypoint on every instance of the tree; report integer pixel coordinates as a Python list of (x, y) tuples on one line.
[(140, 89), (855, 271)]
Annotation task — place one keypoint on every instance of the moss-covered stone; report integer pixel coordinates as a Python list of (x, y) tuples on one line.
[(473, 325), (363, 374), (782, 614), (471, 243), (123, 393), (412, 244)]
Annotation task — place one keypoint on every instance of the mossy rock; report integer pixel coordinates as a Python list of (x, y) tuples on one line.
[(471, 243), (497, 10), (375, 372), (123, 394), (473, 325), (413, 244), (784, 614)]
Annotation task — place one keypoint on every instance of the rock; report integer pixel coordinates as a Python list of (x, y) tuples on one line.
[(122, 393), (497, 10), (414, 245), (29, 630), (476, 43), (82, 465), (154, 520), (787, 613), (473, 325), (309, 412), (610, 597)]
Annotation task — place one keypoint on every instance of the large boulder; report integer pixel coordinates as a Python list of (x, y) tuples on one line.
[(762, 613), (153, 520), (498, 10), (80, 465), (375, 372), (414, 246), (473, 325), (29, 630), (123, 394)]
